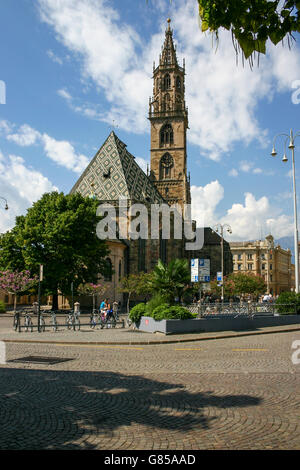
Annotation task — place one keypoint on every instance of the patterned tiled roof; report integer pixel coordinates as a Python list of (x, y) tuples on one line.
[(114, 173)]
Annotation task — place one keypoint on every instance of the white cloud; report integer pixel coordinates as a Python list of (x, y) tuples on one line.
[(205, 200), (246, 219), (233, 172), (142, 163), (21, 186), (64, 94), (62, 152), (222, 97), (54, 57), (26, 136)]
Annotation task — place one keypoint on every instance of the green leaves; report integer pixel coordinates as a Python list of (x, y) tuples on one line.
[(252, 22)]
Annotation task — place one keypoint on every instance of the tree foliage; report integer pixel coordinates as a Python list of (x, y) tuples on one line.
[(171, 280), (240, 284), (59, 232), (251, 22)]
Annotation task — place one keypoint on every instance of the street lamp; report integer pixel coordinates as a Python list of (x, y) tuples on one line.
[(220, 228), (6, 205), (291, 146)]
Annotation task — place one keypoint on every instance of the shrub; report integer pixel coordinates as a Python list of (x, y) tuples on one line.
[(167, 312), (137, 312), (2, 307), (157, 301), (290, 303)]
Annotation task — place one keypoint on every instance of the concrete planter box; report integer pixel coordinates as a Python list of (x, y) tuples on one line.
[(214, 323)]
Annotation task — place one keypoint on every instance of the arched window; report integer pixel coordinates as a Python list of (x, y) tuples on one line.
[(120, 270), (166, 102), (167, 82), (166, 135), (108, 270), (166, 166), (178, 83), (178, 103)]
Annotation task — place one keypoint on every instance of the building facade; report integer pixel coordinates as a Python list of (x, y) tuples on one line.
[(263, 258)]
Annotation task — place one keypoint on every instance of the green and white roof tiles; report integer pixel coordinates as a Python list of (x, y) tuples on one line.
[(113, 173)]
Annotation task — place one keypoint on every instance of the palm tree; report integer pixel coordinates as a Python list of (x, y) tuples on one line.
[(171, 280)]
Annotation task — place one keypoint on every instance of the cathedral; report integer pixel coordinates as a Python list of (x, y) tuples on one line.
[(113, 175)]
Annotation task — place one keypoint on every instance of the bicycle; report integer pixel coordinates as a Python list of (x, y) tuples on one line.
[(94, 319), (73, 321), (69, 320), (53, 321), (16, 321), (42, 325), (28, 322)]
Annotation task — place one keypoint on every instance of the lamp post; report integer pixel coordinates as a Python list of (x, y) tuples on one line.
[(220, 228), (291, 146), (6, 205)]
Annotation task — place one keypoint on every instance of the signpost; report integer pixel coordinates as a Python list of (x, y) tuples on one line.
[(200, 271), (41, 276)]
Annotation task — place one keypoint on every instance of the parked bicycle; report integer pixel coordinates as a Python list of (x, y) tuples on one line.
[(16, 320), (53, 321), (72, 321), (94, 319), (28, 322), (41, 324)]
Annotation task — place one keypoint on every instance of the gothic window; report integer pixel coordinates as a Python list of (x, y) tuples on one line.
[(142, 254), (163, 249), (166, 135), (120, 270), (178, 103), (166, 165), (178, 83), (166, 102), (167, 82), (108, 270)]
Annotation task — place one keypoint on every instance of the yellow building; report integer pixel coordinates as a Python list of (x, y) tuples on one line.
[(262, 257)]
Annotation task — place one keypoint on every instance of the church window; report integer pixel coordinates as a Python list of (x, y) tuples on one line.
[(142, 254), (166, 165), (167, 82), (166, 103), (120, 270), (108, 270), (163, 249), (178, 83), (166, 135)]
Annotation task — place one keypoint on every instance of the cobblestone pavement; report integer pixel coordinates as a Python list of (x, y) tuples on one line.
[(234, 393)]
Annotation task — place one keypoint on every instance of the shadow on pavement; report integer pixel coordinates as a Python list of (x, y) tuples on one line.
[(41, 409)]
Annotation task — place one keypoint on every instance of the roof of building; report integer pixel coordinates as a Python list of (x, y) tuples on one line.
[(113, 173)]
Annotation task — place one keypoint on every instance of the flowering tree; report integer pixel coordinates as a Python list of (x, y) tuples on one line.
[(16, 283), (92, 290)]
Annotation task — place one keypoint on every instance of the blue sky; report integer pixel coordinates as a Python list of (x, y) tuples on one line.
[(74, 68)]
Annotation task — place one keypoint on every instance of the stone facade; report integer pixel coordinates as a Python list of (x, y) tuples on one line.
[(262, 257)]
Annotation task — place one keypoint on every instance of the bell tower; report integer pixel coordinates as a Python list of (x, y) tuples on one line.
[(168, 116)]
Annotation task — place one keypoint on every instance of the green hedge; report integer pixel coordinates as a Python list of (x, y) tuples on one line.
[(2, 307), (137, 312), (290, 303), (167, 312)]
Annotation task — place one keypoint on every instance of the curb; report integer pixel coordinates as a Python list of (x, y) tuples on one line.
[(153, 342)]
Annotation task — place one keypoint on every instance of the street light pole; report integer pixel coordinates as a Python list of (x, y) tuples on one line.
[(220, 228), (292, 138)]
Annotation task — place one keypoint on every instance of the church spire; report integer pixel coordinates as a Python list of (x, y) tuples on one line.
[(168, 55), (168, 116)]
